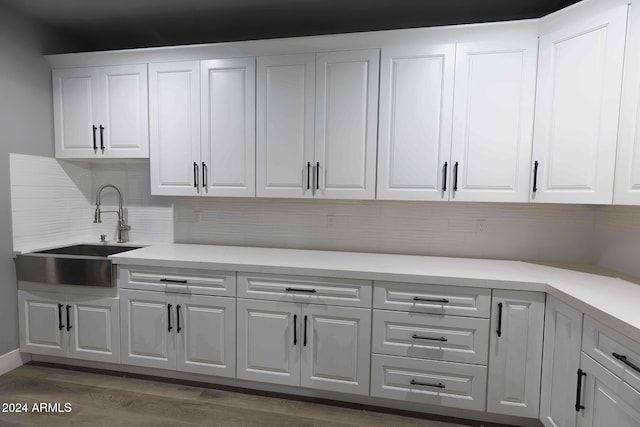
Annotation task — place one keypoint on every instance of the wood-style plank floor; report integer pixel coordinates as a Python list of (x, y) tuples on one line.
[(107, 400)]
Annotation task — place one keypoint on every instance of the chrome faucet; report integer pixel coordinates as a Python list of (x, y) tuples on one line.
[(122, 226)]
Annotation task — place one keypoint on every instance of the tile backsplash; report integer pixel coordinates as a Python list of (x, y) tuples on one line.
[(53, 202), (56, 205)]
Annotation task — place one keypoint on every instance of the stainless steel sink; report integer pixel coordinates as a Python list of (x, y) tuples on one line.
[(85, 265)]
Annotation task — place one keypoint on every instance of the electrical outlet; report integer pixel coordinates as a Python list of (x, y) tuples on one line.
[(481, 225), (331, 221)]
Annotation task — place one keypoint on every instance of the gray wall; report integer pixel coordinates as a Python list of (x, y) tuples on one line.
[(26, 126)]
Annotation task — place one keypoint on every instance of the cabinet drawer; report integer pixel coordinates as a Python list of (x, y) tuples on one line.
[(431, 336), (425, 298), (305, 289), (451, 384), (201, 282), (603, 344)]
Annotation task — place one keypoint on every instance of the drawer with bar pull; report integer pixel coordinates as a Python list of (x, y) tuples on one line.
[(305, 289), (431, 336), (619, 354), (436, 299), (457, 385), (192, 281)]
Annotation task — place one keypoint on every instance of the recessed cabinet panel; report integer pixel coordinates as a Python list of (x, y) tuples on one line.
[(431, 336), (207, 335), (269, 340), (493, 121), (228, 127), (346, 123), (627, 180), (416, 101), (561, 360), (433, 382), (515, 353), (577, 109), (607, 400), (174, 127), (42, 323), (73, 93), (285, 125), (145, 337), (126, 130), (95, 333), (336, 349)]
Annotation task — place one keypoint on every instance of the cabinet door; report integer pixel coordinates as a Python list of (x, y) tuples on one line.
[(228, 138), (561, 360), (336, 348), (123, 112), (346, 124), (607, 400), (174, 128), (95, 329), (269, 341), (206, 335), (285, 125), (577, 106), (42, 323), (493, 120), (148, 319), (515, 353), (627, 180), (416, 102), (74, 101)]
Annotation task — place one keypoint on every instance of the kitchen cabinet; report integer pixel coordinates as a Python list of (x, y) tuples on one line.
[(493, 120), (316, 346), (174, 128), (577, 109), (416, 108), (285, 125), (627, 179), (190, 333), (515, 353), (468, 144), (101, 112), (202, 122), (306, 148), (606, 399), (561, 360), (228, 117), (76, 326)]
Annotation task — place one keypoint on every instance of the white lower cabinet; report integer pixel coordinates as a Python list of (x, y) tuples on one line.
[(561, 360), (515, 353), (76, 326), (606, 400), (434, 382), (315, 346), (191, 333)]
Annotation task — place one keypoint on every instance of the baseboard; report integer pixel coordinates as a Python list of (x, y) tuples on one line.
[(12, 360)]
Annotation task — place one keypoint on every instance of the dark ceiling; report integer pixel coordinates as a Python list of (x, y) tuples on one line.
[(115, 24)]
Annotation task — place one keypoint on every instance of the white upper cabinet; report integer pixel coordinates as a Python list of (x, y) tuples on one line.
[(346, 124), (416, 102), (174, 128), (627, 181), (285, 125), (493, 120), (202, 127), (577, 106), (101, 112), (316, 125), (228, 127)]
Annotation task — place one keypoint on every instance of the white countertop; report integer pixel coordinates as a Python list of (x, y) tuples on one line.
[(610, 300)]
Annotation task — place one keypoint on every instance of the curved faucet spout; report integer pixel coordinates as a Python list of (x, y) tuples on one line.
[(122, 226)]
